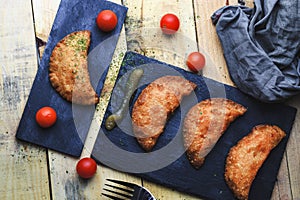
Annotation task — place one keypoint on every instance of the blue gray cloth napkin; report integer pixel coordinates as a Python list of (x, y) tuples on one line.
[(261, 47)]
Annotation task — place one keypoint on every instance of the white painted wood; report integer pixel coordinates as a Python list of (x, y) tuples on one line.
[(145, 36), (65, 183), (23, 168)]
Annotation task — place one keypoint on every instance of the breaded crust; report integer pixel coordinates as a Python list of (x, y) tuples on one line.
[(153, 106), (205, 123), (68, 69), (248, 155)]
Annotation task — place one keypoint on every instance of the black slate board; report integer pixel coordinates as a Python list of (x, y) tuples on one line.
[(167, 164), (70, 131)]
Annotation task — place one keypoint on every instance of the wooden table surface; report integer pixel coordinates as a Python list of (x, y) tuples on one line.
[(31, 172)]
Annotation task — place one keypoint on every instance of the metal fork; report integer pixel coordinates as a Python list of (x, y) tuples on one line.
[(130, 191)]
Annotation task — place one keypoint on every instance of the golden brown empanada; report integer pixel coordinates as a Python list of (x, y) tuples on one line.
[(68, 69), (154, 104), (205, 123), (248, 155)]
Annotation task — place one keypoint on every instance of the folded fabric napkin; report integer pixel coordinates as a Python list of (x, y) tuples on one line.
[(261, 47)]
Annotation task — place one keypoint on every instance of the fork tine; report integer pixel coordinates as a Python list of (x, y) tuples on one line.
[(131, 185), (128, 194), (111, 197), (119, 188), (118, 193), (133, 191)]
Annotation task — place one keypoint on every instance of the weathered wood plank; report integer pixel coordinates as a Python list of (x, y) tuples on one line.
[(61, 174), (208, 40), (23, 167), (220, 73), (144, 36), (65, 183), (293, 152), (104, 172), (282, 188), (44, 14)]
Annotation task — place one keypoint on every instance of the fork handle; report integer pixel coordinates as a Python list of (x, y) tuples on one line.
[(144, 195)]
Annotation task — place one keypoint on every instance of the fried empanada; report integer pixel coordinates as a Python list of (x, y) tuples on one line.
[(247, 156), (153, 106), (205, 123), (68, 69)]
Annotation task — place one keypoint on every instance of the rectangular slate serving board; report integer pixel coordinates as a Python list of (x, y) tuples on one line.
[(167, 164), (73, 121)]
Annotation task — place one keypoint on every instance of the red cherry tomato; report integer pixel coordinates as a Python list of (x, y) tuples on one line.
[(45, 117), (106, 20), (195, 61), (169, 24), (86, 167)]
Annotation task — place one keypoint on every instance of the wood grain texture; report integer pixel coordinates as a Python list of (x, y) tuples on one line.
[(44, 14), (23, 169), (144, 36), (282, 188), (293, 152), (65, 183), (219, 72), (208, 40)]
